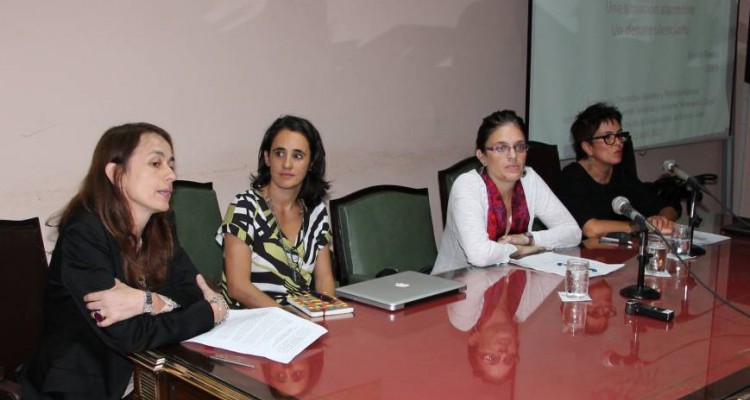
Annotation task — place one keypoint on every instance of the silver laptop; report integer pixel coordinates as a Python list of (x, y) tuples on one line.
[(393, 292), (738, 227)]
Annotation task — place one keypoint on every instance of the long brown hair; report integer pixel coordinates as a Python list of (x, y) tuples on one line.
[(146, 266)]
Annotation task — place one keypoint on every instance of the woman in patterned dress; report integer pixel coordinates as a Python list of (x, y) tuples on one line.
[(276, 235)]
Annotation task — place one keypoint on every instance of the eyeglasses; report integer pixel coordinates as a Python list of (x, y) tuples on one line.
[(504, 358), (610, 137), (502, 148)]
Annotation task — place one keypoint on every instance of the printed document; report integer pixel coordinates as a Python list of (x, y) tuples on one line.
[(267, 332), (706, 238), (555, 263)]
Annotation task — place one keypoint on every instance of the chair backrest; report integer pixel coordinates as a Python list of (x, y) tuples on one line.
[(197, 218), (382, 227), (449, 175), (628, 158), (541, 156), (544, 159), (23, 276)]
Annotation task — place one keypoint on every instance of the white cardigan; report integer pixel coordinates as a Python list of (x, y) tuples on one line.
[(465, 241), (465, 314)]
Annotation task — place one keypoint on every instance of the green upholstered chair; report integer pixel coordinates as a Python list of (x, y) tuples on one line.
[(449, 175), (544, 159), (382, 228), (197, 217), (23, 275)]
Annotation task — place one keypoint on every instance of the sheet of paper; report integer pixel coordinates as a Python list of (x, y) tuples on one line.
[(267, 332), (704, 238), (555, 263)]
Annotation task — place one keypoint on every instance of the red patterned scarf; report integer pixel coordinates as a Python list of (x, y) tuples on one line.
[(514, 283), (497, 222)]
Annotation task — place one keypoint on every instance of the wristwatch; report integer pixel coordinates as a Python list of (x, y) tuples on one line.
[(531, 238), (148, 304)]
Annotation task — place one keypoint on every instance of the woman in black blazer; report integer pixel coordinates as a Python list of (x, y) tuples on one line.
[(119, 282)]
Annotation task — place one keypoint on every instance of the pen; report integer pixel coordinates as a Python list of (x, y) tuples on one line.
[(232, 360), (609, 240)]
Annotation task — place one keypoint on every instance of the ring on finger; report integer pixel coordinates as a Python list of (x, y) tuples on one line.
[(98, 316)]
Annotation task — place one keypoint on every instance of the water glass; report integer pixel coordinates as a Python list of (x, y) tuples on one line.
[(673, 265), (658, 250), (681, 238), (577, 277), (574, 317)]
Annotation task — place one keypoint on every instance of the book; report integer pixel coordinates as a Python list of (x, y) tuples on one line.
[(318, 305)]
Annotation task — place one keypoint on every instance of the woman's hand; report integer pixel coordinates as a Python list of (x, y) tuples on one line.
[(522, 251), (518, 239), (115, 304), (218, 304), (661, 223)]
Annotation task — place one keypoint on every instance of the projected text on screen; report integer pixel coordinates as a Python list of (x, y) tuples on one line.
[(667, 65)]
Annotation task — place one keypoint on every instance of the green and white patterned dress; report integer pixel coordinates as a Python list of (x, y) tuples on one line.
[(279, 265)]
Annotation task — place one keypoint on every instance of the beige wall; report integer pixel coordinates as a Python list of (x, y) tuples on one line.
[(397, 88)]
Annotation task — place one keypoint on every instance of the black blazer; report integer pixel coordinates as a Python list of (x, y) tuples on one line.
[(78, 360)]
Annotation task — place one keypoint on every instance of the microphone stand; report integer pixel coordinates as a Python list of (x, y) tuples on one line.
[(685, 314), (639, 291), (632, 358), (693, 221)]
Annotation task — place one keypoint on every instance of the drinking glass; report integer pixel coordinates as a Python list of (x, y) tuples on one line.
[(574, 317), (658, 250), (681, 238), (577, 277)]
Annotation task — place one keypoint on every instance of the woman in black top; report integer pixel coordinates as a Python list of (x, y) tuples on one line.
[(588, 186), (118, 280)]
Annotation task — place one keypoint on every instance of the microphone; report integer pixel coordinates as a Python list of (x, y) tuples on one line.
[(671, 167), (621, 205), (633, 307)]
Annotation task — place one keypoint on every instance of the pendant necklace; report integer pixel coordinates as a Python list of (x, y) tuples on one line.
[(290, 254)]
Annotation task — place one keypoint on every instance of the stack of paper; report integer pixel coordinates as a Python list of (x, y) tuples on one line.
[(267, 332)]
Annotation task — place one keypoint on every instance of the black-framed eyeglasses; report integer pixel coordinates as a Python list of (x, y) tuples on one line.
[(503, 148), (610, 137)]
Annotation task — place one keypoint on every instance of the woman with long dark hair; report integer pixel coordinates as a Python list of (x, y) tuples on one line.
[(276, 235), (118, 280)]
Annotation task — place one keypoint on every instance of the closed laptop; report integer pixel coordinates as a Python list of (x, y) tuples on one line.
[(740, 226), (393, 292)]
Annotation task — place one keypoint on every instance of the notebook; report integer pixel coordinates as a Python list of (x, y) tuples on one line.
[(315, 306), (393, 292)]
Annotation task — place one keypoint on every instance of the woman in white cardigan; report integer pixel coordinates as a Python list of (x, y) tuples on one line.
[(490, 211)]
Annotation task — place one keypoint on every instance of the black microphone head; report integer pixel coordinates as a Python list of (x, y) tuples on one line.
[(632, 306), (669, 165), (619, 203)]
